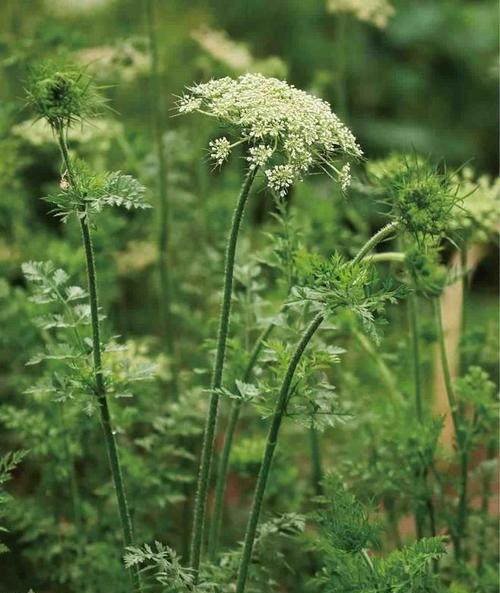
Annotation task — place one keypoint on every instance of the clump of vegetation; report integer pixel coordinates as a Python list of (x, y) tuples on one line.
[(290, 345)]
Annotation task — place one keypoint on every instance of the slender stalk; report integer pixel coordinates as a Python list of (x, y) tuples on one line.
[(415, 351), (223, 466), (388, 256), (384, 370), (211, 422), (385, 232), (100, 387), (272, 439), (163, 202), (486, 483), (279, 411), (462, 511), (341, 86), (316, 465)]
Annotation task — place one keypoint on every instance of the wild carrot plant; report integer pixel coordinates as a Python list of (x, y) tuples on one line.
[(65, 96), (287, 132)]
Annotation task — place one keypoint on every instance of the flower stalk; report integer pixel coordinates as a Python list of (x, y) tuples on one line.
[(211, 422), (223, 466), (279, 412), (462, 512), (100, 387), (163, 201)]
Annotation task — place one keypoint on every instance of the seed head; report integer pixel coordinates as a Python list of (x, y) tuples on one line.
[(63, 94), (287, 130)]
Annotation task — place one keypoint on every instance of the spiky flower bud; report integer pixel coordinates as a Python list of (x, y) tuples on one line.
[(422, 196), (63, 94), (288, 130)]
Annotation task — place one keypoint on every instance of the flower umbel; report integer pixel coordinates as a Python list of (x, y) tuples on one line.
[(277, 120)]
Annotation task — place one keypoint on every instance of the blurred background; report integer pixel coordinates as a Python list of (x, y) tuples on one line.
[(421, 76)]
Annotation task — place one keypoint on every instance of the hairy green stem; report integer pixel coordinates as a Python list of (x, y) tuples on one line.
[(279, 411), (384, 233), (163, 202), (272, 439), (211, 421), (462, 512), (223, 466), (100, 387)]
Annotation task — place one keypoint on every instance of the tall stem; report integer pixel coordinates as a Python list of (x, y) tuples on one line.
[(316, 465), (341, 86), (279, 411), (211, 422), (415, 351), (223, 467), (462, 512), (100, 387), (272, 439), (163, 202)]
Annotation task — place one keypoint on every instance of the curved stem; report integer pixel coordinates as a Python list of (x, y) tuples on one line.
[(100, 388), (223, 467), (211, 422), (377, 238), (272, 439)]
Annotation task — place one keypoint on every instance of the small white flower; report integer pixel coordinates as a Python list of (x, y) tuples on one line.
[(345, 177), (258, 155), (280, 178), (189, 104), (220, 149)]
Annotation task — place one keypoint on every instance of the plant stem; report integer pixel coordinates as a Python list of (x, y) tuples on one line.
[(385, 372), (211, 422), (415, 351), (272, 439), (341, 86), (388, 256), (223, 467), (163, 202), (462, 512), (100, 388), (385, 232), (316, 465), (279, 411)]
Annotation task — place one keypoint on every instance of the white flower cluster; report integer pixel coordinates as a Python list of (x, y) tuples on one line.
[(375, 12), (220, 149), (345, 177), (277, 120)]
